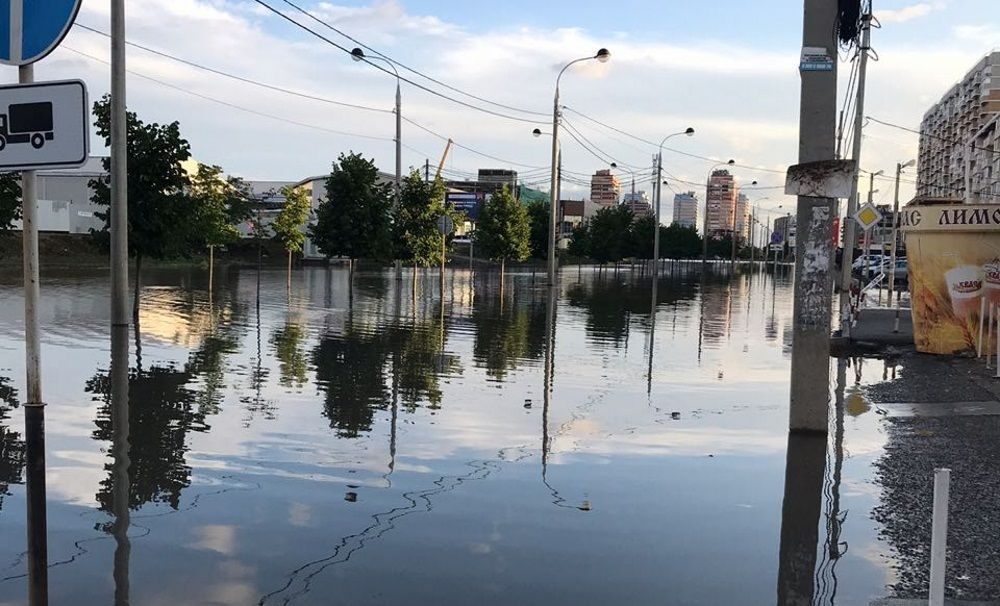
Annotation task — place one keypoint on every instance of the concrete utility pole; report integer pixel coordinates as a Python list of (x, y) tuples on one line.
[(34, 406), (119, 171), (810, 385), (847, 259), (895, 229)]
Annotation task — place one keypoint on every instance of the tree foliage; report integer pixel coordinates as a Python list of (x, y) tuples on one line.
[(161, 211), (679, 242), (415, 232), (579, 244), (10, 199), (503, 231), (287, 226), (610, 233), (538, 215), (353, 220), (220, 203)]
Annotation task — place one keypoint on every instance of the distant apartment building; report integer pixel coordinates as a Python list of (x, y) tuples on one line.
[(638, 203), (720, 203), (499, 176), (784, 233), (742, 216), (686, 209), (960, 133), (605, 188)]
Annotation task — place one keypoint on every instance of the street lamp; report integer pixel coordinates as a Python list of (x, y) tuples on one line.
[(603, 55), (895, 225), (659, 174), (753, 222), (704, 230), (556, 197), (736, 204), (359, 55)]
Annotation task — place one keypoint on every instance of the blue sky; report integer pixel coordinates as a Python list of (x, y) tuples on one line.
[(726, 68)]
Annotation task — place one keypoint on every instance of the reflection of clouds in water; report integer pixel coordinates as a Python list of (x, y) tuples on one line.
[(215, 537), (299, 514)]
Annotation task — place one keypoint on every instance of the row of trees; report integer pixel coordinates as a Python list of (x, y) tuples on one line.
[(615, 233)]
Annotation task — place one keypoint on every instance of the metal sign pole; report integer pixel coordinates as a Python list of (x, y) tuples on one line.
[(119, 172), (34, 407)]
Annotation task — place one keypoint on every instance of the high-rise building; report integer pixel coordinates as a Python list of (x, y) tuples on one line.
[(742, 216), (960, 134), (638, 203), (605, 188), (686, 209), (720, 203)]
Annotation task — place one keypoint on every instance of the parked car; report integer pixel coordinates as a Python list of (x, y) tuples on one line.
[(901, 271), (873, 263)]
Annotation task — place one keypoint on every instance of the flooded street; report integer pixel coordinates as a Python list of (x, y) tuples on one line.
[(361, 445)]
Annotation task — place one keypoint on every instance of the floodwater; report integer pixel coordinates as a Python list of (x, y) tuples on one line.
[(361, 444)]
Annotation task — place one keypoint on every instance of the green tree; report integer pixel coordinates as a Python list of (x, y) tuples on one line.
[(579, 244), (679, 242), (610, 233), (292, 359), (641, 241), (353, 221), (503, 231), (161, 212), (538, 215), (10, 200), (221, 203), (415, 232), (287, 226)]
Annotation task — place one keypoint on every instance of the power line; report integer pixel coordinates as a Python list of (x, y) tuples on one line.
[(929, 135), (465, 147), (670, 149), (238, 78), (404, 79), (406, 67), (228, 104)]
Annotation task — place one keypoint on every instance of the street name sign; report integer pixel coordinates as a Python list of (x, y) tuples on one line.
[(31, 29), (43, 125)]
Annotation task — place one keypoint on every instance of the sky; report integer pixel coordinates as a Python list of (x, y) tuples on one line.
[(727, 68)]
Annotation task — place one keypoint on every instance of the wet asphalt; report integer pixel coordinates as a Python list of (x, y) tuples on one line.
[(941, 412)]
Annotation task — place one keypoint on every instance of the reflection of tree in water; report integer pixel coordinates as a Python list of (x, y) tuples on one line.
[(507, 335), (11, 444), (611, 303), (419, 362), (350, 370), (162, 410), (292, 361)]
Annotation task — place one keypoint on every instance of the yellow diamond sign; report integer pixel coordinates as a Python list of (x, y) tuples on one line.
[(867, 216)]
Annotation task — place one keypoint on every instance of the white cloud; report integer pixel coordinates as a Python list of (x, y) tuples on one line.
[(908, 13), (740, 94), (986, 34)]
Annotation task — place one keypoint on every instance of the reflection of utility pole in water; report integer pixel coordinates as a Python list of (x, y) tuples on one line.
[(550, 354), (805, 463), (121, 483), (826, 574), (652, 339)]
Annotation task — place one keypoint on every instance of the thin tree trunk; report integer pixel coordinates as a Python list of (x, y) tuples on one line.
[(211, 266), (414, 285), (288, 281)]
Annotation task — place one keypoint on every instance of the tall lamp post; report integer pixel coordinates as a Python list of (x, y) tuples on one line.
[(602, 55), (659, 187), (736, 206), (753, 221), (704, 229), (895, 227), (359, 55)]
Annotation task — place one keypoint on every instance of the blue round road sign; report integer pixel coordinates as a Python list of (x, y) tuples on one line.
[(31, 29)]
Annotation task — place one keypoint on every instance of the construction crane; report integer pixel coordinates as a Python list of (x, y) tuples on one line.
[(444, 156)]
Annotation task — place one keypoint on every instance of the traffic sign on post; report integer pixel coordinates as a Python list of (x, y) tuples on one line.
[(43, 125), (32, 29), (445, 225)]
